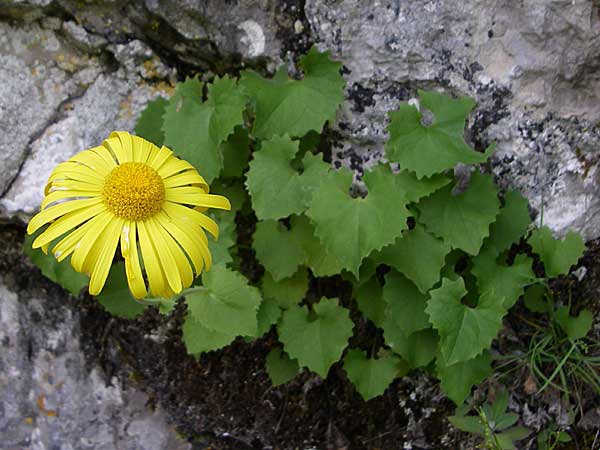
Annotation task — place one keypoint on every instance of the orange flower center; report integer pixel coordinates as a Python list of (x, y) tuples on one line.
[(133, 191)]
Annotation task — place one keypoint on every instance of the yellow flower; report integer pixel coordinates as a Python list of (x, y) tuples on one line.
[(131, 191)]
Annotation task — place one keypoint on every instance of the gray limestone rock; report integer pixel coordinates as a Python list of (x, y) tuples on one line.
[(35, 71), (48, 397), (106, 102)]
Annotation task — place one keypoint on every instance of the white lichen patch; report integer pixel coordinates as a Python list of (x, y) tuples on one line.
[(253, 39)]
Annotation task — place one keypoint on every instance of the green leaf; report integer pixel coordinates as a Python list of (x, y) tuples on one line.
[(61, 273), (574, 327), (225, 303), (458, 379), (462, 220), (464, 331), (418, 349), (431, 149), (199, 339), (236, 151), (468, 424), (535, 298), (511, 224), (295, 107), (149, 124), (405, 304), (268, 315), (370, 301), (196, 130), (418, 255), (369, 223), (371, 377), (316, 338), (558, 256), (507, 438), (504, 281), (277, 250), (116, 297), (414, 189), (276, 188), (280, 367), (219, 248), (287, 292), (321, 262)]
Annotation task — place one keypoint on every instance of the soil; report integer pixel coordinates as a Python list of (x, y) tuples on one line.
[(224, 400)]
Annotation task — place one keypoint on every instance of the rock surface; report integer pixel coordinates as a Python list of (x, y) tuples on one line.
[(49, 397)]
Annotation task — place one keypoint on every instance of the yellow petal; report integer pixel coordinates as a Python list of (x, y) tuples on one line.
[(142, 149), (126, 144), (189, 241), (92, 185), (67, 245), (93, 161), (57, 195), (158, 158), (86, 252), (102, 266), (183, 265), (133, 270), (167, 261), (53, 212), (114, 145), (190, 195), (151, 261), (185, 178), (75, 171), (191, 217), (65, 223), (106, 156), (173, 166)]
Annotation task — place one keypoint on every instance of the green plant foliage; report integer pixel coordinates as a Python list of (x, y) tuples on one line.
[(462, 220), (321, 262), (575, 327), (222, 309), (458, 379), (369, 223), (280, 367), (535, 299), (510, 225), (558, 256), (116, 298), (414, 189), (287, 292), (317, 337), (418, 349), (418, 255), (236, 151), (277, 250), (277, 189), (149, 125), (505, 281), (405, 305), (219, 248), (369, 298), (493, 424), (195, 130), (371, 376), (425, 254), (295, 107), (428, 149), (268, 314), (60, 272), (464, 331)]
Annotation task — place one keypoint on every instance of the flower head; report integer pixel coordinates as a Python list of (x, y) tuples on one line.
[(131, 193)]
